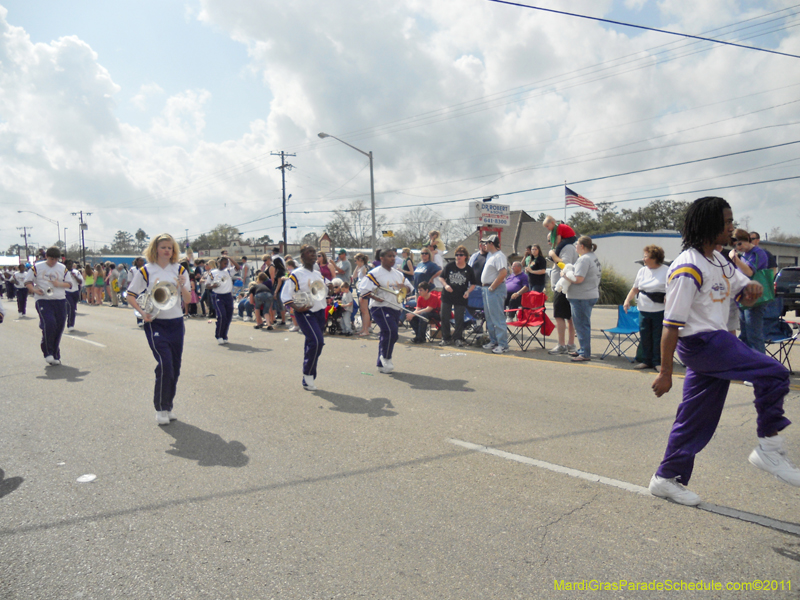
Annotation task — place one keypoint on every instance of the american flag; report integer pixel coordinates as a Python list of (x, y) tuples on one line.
[(573, 199)]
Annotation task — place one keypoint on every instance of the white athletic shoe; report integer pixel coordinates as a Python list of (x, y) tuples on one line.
[(387, 367), (776, 462), (172, 416), (499, 350), (571, 348), (672, 490), (70, 329), (162, 417), (294, 328), (49, 359), (220, 341), (558, 350), (308, 383), (489, 346)]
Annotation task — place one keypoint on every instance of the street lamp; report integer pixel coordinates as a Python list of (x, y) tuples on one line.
[(65, 243), (58, 227), (371, 185)]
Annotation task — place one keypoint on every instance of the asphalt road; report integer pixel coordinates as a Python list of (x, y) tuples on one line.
[(442, 480)]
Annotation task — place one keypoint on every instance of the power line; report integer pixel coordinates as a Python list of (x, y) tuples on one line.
[(685, 35)]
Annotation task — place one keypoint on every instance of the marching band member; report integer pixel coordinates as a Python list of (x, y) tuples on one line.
[(51, 281), (138, 263), (220, 280), (383, 305), (21, 292), (165, 332), (311, 319), (74, 294)]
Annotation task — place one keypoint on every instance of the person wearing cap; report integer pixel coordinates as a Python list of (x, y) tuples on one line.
[(493, 288), (343, 267)]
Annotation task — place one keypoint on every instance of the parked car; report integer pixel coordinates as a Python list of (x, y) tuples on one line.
[(787, 287)]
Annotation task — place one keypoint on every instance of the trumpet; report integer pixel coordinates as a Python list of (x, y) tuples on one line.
[(400, 294), (318, 291), (163, 296)]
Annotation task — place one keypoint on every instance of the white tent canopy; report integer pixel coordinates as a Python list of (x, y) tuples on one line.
[(9, 261)]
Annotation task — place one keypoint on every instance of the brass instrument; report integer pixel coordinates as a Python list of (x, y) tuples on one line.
[(163, 296), (401, 295), (319, 291)]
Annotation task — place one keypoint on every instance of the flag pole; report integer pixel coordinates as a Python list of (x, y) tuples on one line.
[(565, 201)]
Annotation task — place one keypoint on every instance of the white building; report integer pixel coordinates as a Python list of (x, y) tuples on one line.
[(622, 249)]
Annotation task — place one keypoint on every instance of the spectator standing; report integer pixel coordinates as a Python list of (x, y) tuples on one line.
[(458, 280), (324, 266), (751, 319), (650, 289), (478, 260), (88, 282), (562, 312), (535, 268), (363, 302), (113, 285), (407, 267), (123, 282), (99, 284), (343, 267), (261, 298), (493, 288), (583, 295)]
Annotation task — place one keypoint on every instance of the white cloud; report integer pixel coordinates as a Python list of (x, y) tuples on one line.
[(442, 91)]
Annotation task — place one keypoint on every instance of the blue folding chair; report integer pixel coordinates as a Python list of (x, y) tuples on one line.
[(475, 315), (625, 335)]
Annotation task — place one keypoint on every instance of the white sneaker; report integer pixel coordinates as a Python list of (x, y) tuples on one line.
[(172, 416), (572, 348), (672, 490), (499, 350), (294, 328), (558, 350), (70, 329), (387, 367), (56, 362), (162, 417), (220, 341), (308, 383), (776, 462), (49, 359), (489, 346), (247, 319)]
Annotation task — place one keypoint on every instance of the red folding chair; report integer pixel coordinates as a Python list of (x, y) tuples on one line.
[(531, 321)]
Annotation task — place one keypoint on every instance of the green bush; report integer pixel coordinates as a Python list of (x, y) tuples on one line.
[(613, 287)]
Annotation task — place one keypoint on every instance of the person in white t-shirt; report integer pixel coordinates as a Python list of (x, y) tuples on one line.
[(165, 330), (650, 289), (700, 286)]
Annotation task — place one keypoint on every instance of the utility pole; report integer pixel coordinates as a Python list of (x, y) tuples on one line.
[(24, 234), (83, 227), (283, 167)]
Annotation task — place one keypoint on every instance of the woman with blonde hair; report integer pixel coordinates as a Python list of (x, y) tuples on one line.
[(164, 331), (88, 284), (99, 284)]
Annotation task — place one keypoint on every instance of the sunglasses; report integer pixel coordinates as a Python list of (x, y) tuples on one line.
[(425, 253), (460, 254)]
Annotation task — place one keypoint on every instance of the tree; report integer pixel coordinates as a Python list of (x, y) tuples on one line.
[(310, 239), (776, 235), (352, 225), (658, 215), (142, 240), (219, 237), (122, 243)]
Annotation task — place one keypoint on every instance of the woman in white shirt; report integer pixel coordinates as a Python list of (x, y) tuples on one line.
[(650, 286), (165, 331)]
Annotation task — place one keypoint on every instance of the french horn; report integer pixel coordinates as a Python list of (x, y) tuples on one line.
[(318, 291), (163, 296)]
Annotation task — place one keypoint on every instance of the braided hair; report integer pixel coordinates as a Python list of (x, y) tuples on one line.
[(704, 221)]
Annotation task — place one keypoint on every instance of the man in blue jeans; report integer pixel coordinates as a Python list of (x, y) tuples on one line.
[(753, 259), (493, 288)]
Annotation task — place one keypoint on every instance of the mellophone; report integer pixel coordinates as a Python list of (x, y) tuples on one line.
[(400, 295)]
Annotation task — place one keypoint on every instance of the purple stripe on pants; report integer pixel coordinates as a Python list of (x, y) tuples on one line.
[(312, 324), (72, 307), (387, 320), (52, 318), (165, 337), (223, 306), (712, 360)]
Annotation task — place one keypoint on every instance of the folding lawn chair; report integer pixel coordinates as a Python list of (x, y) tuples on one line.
[(475, 314), (625, 335), (783, 338), (531, 318)]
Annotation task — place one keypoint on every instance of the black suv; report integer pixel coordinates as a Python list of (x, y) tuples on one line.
[(787, 286)]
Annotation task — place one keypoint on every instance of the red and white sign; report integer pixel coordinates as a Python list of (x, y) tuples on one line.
[(490, 214)]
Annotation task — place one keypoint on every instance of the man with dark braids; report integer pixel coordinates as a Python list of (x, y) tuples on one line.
[(700, 286)]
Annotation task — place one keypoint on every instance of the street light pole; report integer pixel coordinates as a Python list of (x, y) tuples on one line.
[(65, 243), (56, 223), (371, 185)]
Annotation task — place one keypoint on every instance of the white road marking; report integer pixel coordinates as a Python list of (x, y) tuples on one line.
[(724, 511), (72, 337), (623, 485)]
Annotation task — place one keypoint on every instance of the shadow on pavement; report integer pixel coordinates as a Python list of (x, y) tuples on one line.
[(426, 382), (8, 485), (64, 373), (375, 407), (245, 349), (208, 449)]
